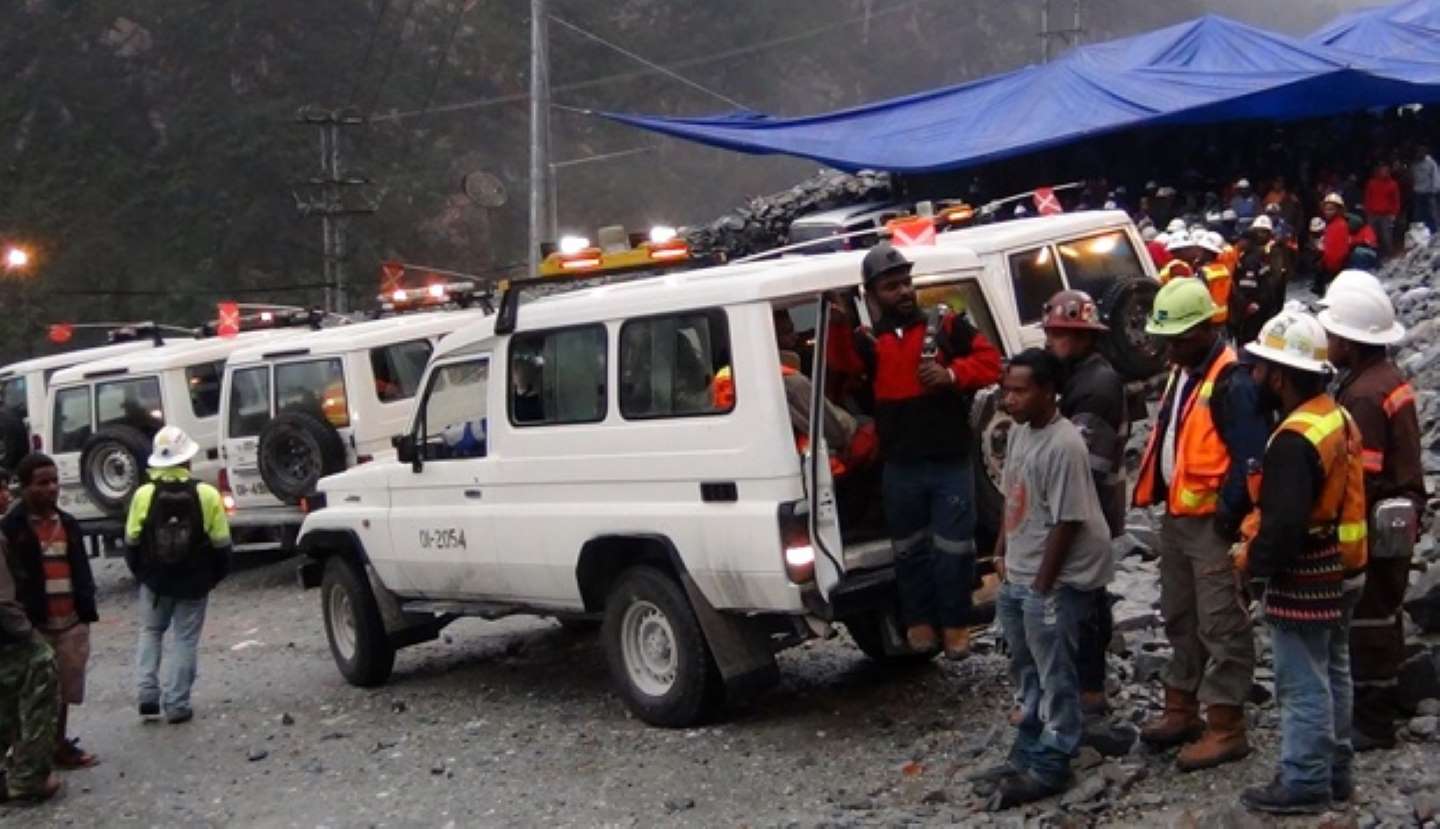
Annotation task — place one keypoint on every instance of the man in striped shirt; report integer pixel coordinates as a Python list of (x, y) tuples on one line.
[(44, 549)]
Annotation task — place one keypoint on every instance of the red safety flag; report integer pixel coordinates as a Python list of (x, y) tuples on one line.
[(1047, 203), (229, 324), (61, 332), (913, 232), (391, 273)]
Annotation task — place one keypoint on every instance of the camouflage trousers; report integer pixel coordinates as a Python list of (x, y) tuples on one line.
[(29, 713)]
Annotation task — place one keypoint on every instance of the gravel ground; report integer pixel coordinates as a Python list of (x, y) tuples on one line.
[(511, 723)]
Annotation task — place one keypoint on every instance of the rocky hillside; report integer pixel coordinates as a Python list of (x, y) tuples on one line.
[(150, 148)]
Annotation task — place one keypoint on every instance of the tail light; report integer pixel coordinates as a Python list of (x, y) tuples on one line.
[(226, 497), (312, 502), (796, 548)]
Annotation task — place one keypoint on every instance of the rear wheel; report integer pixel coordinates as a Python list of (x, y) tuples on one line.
[(358, 641), (658, 658), (296, 450), (112, 466)]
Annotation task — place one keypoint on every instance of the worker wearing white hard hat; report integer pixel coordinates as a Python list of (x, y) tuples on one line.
[(1360, 321), (177, 544), (1175, 226), (1303, 544)]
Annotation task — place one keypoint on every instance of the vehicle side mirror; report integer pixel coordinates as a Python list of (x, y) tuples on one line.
[(406, 451)]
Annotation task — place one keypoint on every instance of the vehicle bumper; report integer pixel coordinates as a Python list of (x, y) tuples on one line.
[(283, 516)]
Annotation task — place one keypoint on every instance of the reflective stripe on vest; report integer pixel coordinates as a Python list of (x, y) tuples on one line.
[(1341, 506), (1402, 396), (1201, 457)]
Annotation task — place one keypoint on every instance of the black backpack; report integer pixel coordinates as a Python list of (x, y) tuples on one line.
[(175, 527)]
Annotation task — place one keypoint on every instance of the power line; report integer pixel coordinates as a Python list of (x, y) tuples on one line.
[(390, 61), (516, 97), (637, 58), (369, 50)]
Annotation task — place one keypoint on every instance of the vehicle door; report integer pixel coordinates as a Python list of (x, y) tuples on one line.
[(823, 511), (1034, 276), (72, 422), (245, 407), (441, 525), (195, 407), (1108, 265)]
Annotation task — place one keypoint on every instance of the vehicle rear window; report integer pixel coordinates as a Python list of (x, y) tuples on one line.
[(964, 298), (12, 397), (317, 386), (249, 401), (1095, 263), (203, 381), (676, 366), (1036, 277), (72, 419), (558, 376), (134, 403), (398, 369)]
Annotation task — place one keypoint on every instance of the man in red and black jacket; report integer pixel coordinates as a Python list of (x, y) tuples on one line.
[(922, 417)]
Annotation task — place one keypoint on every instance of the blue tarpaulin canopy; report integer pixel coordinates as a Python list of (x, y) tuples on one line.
[(1204, 71), (1402, 40)]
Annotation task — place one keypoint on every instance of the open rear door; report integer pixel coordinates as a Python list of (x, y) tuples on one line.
[(824, 515)]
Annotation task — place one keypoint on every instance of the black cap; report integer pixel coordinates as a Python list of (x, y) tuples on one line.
[(883, 259)]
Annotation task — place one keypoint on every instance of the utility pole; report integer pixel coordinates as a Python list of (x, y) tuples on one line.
[(1070, 36), (333, 197), (541, 229)]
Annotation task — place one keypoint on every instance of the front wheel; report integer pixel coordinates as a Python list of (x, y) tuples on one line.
[(658, 658), (358, 641)]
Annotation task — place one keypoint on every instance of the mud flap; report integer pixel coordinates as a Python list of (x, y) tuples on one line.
[(404, 629), (741, 648)]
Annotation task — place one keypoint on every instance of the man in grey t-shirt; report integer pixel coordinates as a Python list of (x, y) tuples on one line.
[(1054, 556)]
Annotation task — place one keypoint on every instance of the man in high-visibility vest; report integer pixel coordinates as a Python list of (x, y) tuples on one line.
[(1360, 322), (1208, 428), (1303, 543)]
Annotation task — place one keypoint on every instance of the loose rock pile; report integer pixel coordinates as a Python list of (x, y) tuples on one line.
[(764, 222)]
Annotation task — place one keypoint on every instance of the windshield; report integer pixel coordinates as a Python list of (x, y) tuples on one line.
[(12, 397)]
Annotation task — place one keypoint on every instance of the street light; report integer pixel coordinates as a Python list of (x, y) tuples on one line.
[(16, 258)]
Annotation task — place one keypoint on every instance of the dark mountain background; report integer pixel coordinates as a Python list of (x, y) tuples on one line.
[(149, 148)]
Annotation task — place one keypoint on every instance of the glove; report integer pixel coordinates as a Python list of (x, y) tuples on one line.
[(1227, 526)]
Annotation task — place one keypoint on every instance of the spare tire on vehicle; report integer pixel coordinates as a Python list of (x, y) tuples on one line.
[(296, 450), (112, 466), (1126, 309), (14, 440), (991, 428)]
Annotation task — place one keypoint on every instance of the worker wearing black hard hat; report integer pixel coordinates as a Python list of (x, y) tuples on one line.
[(924, 366)]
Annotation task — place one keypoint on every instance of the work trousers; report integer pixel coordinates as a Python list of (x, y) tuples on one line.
[(1206, 621), (1377, 647), (930, 511), (157, 615), (29, 713), (1094, 644), (1042, 633)]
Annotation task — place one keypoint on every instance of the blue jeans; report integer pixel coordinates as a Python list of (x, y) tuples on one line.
[(930, 511), (158, 614), (1043, 633), (1313, 688)]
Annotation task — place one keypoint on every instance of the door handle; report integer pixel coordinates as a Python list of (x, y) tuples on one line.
[(472, 493)]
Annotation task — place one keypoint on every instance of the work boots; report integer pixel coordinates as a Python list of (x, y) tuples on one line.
[(1179, 724), (922, 638), (1223, 741), (957, 644)]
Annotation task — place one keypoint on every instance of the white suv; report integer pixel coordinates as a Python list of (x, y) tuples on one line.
[(104, 413), (318, 404), (576, 458)]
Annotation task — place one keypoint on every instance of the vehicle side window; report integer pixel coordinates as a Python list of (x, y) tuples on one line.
[(1096, 263), (1036, 277), (455, 417), (203, 381), (558, 376), (676, 366), (133, 403), (317, 386), (966, 298), (249, 401), (72, 419), (398, 369), (12, 397)]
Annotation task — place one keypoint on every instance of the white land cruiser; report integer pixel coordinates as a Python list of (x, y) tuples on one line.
[(318, 404), (579, 458), (22, 394), (104, 413)]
